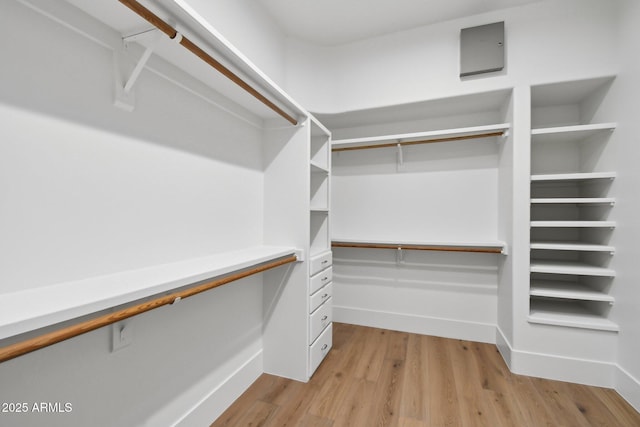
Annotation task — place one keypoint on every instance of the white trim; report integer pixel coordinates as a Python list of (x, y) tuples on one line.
[(561, 368), (628, 386), (425, 325), (206, 400), (504, 347)]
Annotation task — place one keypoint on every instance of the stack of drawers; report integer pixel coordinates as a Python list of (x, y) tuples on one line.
[(320, 309)]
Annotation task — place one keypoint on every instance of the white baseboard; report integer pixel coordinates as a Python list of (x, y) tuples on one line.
[(559, 368), (449, 328), (628, 387), (210, 397), (504, 346)]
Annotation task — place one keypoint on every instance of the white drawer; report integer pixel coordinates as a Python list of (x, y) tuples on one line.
[(320, 262), (319, 297), (320, 349), (320, 279), (319, 319)]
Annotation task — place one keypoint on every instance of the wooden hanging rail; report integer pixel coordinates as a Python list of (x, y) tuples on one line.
[(419, 247), (425, 137), (23, 347), (424, 141), (156, 21)]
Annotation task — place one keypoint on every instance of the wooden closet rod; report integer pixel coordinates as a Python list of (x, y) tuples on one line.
[(36, 343), (154, 20), (417, 247), (424, 141)]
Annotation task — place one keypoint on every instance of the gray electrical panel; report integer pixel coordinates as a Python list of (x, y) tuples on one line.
[(482, 49)]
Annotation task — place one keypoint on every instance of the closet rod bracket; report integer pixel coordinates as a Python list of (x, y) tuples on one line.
[(124, 94), (400, 157)]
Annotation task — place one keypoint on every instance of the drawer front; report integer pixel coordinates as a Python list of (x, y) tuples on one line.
[(320, 349), (320, 279), (322, 295), (319, 320), (320, 262)]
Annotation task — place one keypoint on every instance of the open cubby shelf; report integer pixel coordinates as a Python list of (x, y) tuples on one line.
[(570, 207)]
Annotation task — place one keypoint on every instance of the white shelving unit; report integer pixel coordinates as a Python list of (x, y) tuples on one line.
[(320, 283), (570, 209)]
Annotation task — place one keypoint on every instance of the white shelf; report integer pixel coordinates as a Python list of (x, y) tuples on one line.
[(445, 133), (572, 176), (570, 267), (570, 314), (36, 308), (567, 290), (200, 31), (567, 246), (405, 244), (570, 133), (319, 210), (573, 224), (316, 168), (575, 200)]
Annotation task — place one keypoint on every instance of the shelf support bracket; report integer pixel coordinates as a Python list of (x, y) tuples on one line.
[(399, 255), (400, 156), (124, 97)]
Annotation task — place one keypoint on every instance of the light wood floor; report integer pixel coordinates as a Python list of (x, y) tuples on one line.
[(375, 377)]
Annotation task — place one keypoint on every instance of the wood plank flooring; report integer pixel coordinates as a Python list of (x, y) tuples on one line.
[(375, 377)]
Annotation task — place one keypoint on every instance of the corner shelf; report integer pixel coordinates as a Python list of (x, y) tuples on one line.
[(568, 313)]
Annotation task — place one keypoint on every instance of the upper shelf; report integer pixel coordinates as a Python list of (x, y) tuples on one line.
[(197, 29), (382, 141), (453, 246), (570, 133), (32, 309)]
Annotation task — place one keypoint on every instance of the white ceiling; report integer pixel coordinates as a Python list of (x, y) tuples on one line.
[(331, 22)]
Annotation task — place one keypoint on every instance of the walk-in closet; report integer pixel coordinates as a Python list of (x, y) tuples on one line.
[(261, 212)]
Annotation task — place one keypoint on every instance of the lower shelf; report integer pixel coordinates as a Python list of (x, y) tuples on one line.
[(568, 313)]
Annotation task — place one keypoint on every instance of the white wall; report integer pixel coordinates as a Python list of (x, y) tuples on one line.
[(248, 26), (87, 189), (546, 41), (623, 109)]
